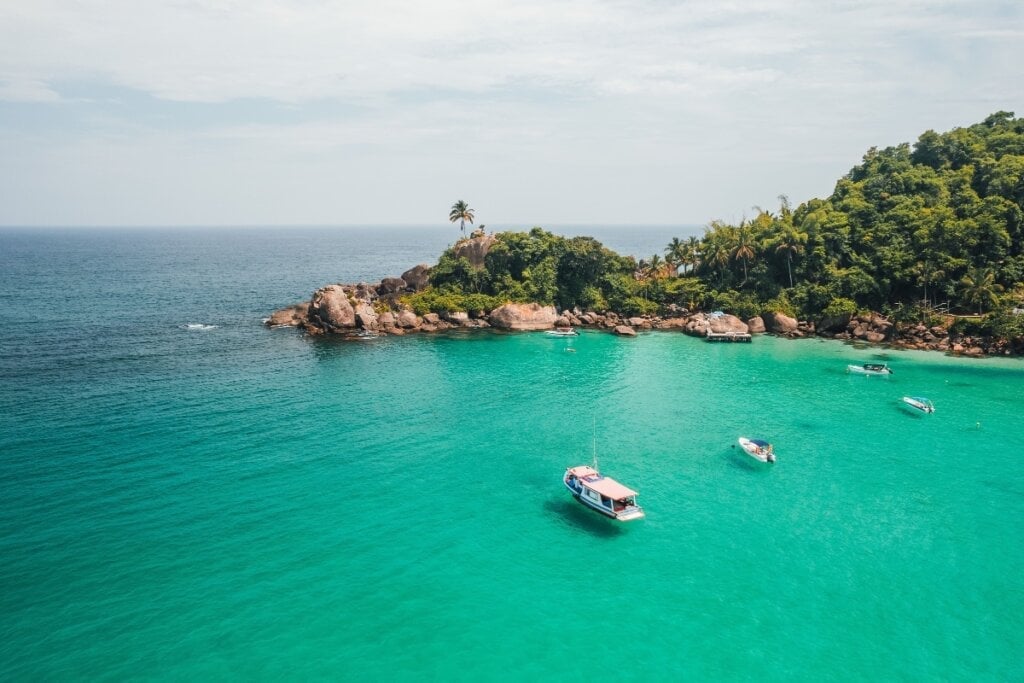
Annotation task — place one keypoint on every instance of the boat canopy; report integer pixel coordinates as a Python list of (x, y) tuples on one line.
[(611, 488), (582, 471)]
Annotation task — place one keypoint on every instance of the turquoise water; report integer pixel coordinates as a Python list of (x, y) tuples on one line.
[(236, 502)]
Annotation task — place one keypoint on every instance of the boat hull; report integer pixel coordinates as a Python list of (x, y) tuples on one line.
[(922, 405), (765, 455), (861, 370), (627, 515)]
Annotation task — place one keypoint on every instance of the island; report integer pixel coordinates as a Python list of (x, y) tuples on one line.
[(918, 247)]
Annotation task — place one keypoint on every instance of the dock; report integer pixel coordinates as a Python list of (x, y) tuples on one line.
[(741, 337)]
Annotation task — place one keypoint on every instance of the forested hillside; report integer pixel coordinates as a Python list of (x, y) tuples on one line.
[(911, 230)]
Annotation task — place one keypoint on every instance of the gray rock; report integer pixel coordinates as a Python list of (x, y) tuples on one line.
[(474, 249), (330, 308), (780, 323), (408, 320), (291, 316), (725, 324), (391, 285), (417, 277), (523, 317), (366, 317)]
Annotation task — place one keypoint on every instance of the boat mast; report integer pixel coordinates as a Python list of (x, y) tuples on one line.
[(595, 445)]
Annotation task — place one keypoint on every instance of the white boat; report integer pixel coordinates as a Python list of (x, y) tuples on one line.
[(880, 369), (758, 449), (601, 493), (921, 403), (562, 332)]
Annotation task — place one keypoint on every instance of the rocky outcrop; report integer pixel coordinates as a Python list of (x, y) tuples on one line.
[(523, 317), (391, 285), (756, 325), (408, 320), (474, 249), (366, 317), (727, 324), (834, 323), (417, 277), (624, 331), (780, 323), (331, 310), (289, 317)]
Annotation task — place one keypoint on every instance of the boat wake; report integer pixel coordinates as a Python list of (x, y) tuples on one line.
[(198, 326)]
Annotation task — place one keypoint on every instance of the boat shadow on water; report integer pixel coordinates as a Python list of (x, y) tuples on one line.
[(741, 461), (578, 516)]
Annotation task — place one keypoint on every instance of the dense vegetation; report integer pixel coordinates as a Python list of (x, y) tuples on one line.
[(911, 230)]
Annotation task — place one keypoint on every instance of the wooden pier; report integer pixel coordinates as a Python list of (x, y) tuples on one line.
[(740, 337)]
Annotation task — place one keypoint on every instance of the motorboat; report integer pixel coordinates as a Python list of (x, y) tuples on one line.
[(920, 403), (880, 369), (758, 449), (562, 332), (602, 494)]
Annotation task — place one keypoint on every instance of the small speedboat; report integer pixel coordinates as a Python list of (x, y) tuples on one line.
[(562, 332), (870, 369), (758, 449), (920, 403), (601, 493)]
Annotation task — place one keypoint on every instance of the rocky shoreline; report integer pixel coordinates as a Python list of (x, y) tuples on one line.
[(355, 310)]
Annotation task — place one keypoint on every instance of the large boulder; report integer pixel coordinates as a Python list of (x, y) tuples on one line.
[(834, 323), (390, 285), (366, 317), (330, 309), (408, 320), (417, 277), (727, 324), (697, 325), (756, 325), (291, 316), (624, 331), (523, 317), (780, 323), (475, 249)]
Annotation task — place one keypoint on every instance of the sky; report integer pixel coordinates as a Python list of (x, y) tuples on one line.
[(534, 112)]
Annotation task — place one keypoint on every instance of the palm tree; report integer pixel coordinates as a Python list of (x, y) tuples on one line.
[(980, 287), (676, 253), (693, 249), (461, 213), (656, 266), (791, 241), (742, 249)]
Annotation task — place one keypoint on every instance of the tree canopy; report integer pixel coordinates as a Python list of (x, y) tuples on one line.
[(939, 223)]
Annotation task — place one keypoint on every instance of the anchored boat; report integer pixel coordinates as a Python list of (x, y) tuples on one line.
[(601, 493), (920, 403), (758, 449), (880, 369), (562, 332)]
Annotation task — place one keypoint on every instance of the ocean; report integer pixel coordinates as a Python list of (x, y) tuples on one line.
[(189, 495)]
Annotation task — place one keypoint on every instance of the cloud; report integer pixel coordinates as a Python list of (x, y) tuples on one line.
[(636, 91)]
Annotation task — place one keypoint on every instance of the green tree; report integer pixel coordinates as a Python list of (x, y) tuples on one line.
[(790, 242), (979, 287), (461, 212), (743, 248)]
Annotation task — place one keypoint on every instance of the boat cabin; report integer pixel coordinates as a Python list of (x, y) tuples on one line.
[(602, 493)]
